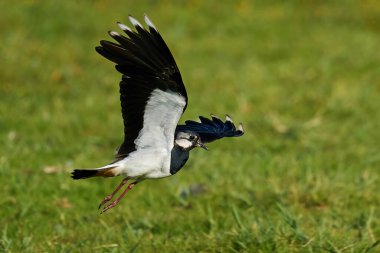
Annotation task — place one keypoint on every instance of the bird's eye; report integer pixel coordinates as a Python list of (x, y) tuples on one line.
[(192, 137)]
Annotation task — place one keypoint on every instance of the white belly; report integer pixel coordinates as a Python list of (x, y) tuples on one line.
[(149, 163)]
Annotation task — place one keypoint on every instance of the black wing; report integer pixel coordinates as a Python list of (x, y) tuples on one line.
[(147, 65), (211, 130)]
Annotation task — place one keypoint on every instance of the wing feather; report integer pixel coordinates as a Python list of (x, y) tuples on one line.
[(152, 94), (212, 129)]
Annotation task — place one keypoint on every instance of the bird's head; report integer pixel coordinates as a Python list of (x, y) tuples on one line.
[(189, 140)]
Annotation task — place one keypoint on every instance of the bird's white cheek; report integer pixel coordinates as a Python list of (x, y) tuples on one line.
[(183, 143)]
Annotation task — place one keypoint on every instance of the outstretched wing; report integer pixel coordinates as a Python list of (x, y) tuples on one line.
[(211, 130), (152, 94)]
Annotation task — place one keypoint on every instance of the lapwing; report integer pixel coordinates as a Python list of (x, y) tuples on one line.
[(153, 99)]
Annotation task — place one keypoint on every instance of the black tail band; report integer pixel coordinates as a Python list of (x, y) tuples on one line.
[(80, 174)]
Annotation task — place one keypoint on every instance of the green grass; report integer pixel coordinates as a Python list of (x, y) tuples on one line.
[(303, 77)]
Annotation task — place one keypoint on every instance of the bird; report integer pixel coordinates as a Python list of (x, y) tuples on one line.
[(153, 98)]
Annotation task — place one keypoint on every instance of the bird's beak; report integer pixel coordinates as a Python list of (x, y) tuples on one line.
[(202, 145)]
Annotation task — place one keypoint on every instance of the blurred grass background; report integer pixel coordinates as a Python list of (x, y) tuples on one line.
[(303, 77)]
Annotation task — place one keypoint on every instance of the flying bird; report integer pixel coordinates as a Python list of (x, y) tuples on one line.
[(153, 99)]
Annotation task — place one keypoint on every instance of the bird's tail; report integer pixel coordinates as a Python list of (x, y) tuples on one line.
[(106, 171)]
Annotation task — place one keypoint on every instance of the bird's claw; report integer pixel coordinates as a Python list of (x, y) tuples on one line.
[(109, 206), (109, 197), (105, 200)]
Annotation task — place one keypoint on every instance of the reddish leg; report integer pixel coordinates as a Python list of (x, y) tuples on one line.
[(114, 203), (109, 197)]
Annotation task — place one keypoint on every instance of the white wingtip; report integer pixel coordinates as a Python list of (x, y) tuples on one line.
[(134, 22), (149, 22), (124, 27), (228, 118), (114, 34), (240, 127)]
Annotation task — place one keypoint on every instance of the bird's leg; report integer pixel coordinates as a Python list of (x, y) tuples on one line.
[(109, 197), (114, 203)]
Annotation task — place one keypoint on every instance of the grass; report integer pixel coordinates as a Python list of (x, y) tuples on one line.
[(303, 77)]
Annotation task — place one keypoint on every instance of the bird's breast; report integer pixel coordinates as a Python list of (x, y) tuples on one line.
[(178, 159)]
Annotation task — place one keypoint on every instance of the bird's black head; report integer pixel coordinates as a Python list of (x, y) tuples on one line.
[(188, 140)]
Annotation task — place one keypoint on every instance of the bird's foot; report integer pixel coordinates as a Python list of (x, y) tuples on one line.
[(114, 203), (109, 197), (105, 200), (109, 206)]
